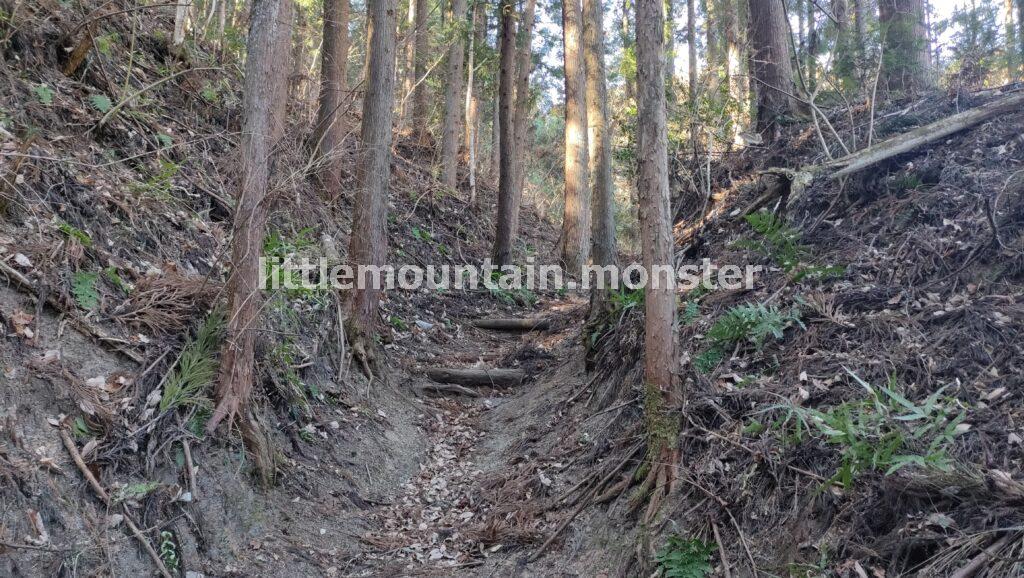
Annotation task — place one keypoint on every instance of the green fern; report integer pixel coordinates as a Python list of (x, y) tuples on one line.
[(196, 368), (682, 558), (101, 102), (83, 287), (753, 323)]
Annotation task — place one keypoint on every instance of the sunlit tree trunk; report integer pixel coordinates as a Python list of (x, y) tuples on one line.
[(502, 253), (772, 68), (735, 61), (453, 96), (181, 10), (575, 240), (264, 93), (521, 115), (602, 201), (330, 125), (472, 137), (670, 41), (691, 48), (906, 56), (812, 47), (408, 68), (420, 106), (663, 397), (629, 51), (368, 245)]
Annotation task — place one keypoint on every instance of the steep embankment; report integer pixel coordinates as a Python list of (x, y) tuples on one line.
[(113, 235)]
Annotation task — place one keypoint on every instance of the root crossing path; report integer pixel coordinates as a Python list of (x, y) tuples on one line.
[(474, 501)]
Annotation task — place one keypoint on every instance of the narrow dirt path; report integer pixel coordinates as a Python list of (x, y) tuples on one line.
[(441, 521)]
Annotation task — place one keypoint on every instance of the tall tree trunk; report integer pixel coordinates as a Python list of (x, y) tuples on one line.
[(330, 125), (1020, 31), (420, 106), (496, 131), (409, 68), (368, 245), (521, 116), (453, 96), (181, 11), (663, 397), (670, 42), (472, 137), (628, 51), (222, 18), (812, 47), (1012, 61), (906, 57), (772, 68), (735, 61), (602, 201), (713, 50), (691, 47), (503, 237), (297, 85), (264, 95), (860, 36), (575, 240)]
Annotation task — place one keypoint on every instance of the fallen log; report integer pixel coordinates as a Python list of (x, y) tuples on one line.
[(477, 377), (928, 133), (513, 324)]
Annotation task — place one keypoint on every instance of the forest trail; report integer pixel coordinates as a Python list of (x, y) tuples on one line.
[(442, 518)]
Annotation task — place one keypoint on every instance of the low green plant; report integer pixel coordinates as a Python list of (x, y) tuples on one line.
[(398, 323), (885, 432), (135, 491), (160, 183), (169, 552), (44, 94), (516, 296), (196, 368), (112, 275), (752, 323), (625, 299), (781, 243), (691, 311), (685, 558), (75, 233), (100, 102), (83, 287)]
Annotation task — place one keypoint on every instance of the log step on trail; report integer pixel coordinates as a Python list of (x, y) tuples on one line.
[(477, 377), (513, 324)]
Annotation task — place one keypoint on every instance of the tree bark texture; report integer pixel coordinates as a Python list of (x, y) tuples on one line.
[(575, 239), (264, 95), (502, 253), (330, 126), (524, 103), (368, 245), (602, 198), (453, 95), (472, 137), (420, 106), (906, 58), (772, 68)]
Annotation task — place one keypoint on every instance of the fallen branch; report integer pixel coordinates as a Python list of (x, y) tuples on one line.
[(920, 136), (450, 388), (76, 457), (477, 377), (513, 324)]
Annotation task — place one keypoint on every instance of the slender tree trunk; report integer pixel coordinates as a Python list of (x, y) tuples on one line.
[(297, 79), (496, 134), (575, 240), (368, 245), (1012, 61), (662, 395), (860, 37), (222, 18), (602, 199), (521, 116), (691, 47), (772, 68), (330, 125), (502, 253), (628, 50), (735, 73), (453, 96), (264, 94), (670, 42), (420, 106), (409, 68), (473, 97), (713, 50), (906, 54), (812, 47), (1020, 31), (180, 21)]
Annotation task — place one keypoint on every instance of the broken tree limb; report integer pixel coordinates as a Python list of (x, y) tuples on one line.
[(477, 377), (513, 324), (913, 139), (449, 388)]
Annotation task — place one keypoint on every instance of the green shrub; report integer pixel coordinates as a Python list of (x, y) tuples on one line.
[(682, 558)]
